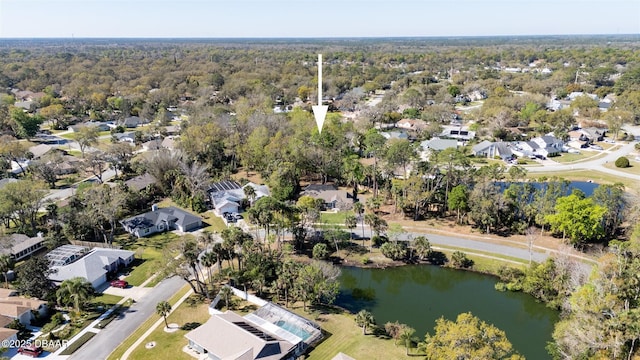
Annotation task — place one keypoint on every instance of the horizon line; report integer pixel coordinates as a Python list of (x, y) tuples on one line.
[(312, 37)]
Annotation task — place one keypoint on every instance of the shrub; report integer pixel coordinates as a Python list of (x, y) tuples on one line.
[(320, 251), (394, 251), (460, 260), (190, 326), (622, 162), (378, 240)]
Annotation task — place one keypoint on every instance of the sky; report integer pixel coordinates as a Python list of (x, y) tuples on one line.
[(313, 18)]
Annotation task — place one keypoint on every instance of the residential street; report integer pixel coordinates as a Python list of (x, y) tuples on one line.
[(119, 329)]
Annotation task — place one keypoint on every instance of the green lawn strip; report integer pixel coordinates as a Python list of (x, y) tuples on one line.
[(169, 345), (78, 343), (343, 335), (334, 218), (127, 343), (119, 309), (634, 166), (69, 136), (107, 300), (485, 264), (151, 261), (212, 223), (572, 157)]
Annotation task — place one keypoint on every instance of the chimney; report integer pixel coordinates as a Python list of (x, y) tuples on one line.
[(154, 207)]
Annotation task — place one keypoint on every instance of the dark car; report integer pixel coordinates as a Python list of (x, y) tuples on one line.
[(238, 216), (119, 284), (30, 350)]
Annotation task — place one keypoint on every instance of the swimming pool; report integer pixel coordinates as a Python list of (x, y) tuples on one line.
[(301, 333)]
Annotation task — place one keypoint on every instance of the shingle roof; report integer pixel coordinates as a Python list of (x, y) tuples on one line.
[(162, 215)]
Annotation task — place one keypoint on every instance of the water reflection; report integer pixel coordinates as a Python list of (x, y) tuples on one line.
[(417, 295)]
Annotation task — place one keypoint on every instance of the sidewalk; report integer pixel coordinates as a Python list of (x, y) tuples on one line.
[(90, 328)]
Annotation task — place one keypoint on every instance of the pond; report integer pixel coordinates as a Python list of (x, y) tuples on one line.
[(586, 187), (418, 295)]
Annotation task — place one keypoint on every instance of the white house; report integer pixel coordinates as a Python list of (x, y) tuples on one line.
[(161, 220), (228, 196), (93, 265)]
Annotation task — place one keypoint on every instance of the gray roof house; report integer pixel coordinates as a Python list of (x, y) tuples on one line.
[(134, 121), (269, 333), (238, 338), (226, 196), (129, 137), (40, 150), (161, 220), (93, 265), (458, 132), (439, 144), (20, 246), (484, 149), (549, 145), (436, 144), (333, 199), (140, 182)]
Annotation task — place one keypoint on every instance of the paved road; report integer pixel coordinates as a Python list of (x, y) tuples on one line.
[(120, 329), (595, 164)]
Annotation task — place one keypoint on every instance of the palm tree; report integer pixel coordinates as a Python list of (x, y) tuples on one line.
[(358, 209), (208, 259), (365, 319), (219, 251), (226, 292), (250, 193), (163, 309), (422, 247), (76, 291), (350, 222), (6, 264), (406, 337)]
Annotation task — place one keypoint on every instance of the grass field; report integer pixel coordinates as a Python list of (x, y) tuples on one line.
[(634, 167), (145, 266), (343, 335), (106, 300), (565, 158), (336, 218)]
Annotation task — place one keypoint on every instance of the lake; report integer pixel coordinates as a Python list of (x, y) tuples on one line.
[(418, 295), (586, 187)]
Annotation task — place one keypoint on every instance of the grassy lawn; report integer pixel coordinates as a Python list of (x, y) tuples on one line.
[(343, 335), (634, 167), (570, 157), (119, 351), (169, 345), (212, 223), (106, 300), (334, 218), (145, 266)]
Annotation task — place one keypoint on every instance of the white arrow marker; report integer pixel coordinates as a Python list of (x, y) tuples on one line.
[(320, 111)]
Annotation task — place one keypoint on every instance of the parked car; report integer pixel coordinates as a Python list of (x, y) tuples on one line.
[(238, 216), (30, 350), (119, 284), (596, 147)]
